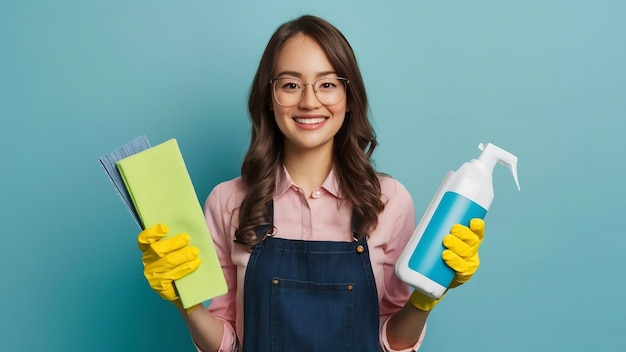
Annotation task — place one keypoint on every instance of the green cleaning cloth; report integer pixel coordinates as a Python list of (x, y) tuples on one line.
[(161, 190)]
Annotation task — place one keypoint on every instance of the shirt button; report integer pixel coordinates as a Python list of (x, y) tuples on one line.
[(317, 193), (360, 249)]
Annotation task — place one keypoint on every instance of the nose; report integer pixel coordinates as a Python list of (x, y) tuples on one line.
[(309, 98)]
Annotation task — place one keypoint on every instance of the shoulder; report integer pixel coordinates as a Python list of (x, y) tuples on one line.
[(227, 194), (394, 192), (234, 185)]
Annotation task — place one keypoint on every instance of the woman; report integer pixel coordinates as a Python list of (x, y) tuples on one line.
[(309, 234)]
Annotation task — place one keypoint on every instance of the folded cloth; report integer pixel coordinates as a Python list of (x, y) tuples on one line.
[(162, 192)]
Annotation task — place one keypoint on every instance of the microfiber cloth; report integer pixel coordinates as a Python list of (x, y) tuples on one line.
[(161, 190)]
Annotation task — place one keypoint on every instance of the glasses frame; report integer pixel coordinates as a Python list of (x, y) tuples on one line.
[(304, 84)]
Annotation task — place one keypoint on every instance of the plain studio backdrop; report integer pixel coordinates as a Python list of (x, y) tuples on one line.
[(545, 80)]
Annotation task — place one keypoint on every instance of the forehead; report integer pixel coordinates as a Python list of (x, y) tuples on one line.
[(302, 56)]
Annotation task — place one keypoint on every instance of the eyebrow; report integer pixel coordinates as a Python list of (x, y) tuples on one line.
[(299, 75)]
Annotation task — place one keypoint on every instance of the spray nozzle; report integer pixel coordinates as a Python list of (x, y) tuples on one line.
[(492, 154)]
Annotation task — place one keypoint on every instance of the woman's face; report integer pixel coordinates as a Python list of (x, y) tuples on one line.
[(309, 124)]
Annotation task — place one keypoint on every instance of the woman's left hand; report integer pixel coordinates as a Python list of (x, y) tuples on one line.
[(462, 250), (461, 254)]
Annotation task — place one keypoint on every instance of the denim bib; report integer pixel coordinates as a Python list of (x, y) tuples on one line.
[(310, 296)]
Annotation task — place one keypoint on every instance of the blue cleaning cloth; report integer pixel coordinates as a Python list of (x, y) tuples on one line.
[(109, 161)]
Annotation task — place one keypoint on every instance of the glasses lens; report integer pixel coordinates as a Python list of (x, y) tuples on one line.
[(330, 91), (289, 91)]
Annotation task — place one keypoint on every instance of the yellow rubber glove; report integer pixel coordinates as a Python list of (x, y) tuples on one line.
[(166, 260), (462, 250), (461, 254)]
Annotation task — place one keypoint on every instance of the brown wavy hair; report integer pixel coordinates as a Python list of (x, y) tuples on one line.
[(354, 143)]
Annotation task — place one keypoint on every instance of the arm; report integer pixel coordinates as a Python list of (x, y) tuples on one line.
[(461, 254), (206, 330), (213, 329), (402, 325), (167, 260), (405, 328)]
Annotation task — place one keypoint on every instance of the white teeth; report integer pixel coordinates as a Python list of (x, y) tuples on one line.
[(310, 121)]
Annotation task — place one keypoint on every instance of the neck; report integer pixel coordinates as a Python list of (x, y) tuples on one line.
[(308, 169)]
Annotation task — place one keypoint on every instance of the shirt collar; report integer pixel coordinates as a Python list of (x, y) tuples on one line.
[(284, 182)]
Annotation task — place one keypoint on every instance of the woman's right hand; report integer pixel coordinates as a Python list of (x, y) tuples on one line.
[(166, 260)]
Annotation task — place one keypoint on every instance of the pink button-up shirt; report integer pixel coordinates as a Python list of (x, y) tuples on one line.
[(324, 216)]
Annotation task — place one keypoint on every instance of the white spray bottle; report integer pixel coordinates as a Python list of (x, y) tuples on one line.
[(462, 196)]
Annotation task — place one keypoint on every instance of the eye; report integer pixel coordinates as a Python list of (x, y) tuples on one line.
[(288, 84), (328, 84)]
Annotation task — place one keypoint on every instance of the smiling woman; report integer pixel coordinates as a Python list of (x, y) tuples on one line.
[(300, 242), (545, 78)]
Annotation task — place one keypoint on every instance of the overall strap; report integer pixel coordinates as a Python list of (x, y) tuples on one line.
[(264, 230)]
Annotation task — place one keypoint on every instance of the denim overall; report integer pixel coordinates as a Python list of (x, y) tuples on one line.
[(310, 296)]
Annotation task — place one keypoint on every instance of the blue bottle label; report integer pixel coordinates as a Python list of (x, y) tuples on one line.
[(426, 259)]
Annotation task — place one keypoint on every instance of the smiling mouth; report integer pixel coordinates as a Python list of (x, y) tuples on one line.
[(310, 121)]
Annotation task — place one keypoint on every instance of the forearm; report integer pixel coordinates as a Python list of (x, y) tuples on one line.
[(405, 327), (206, 330)]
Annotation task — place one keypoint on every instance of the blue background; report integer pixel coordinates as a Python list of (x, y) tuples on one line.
[(545, 80)]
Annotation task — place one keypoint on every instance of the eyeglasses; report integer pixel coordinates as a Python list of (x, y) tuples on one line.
[(290, 91)]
